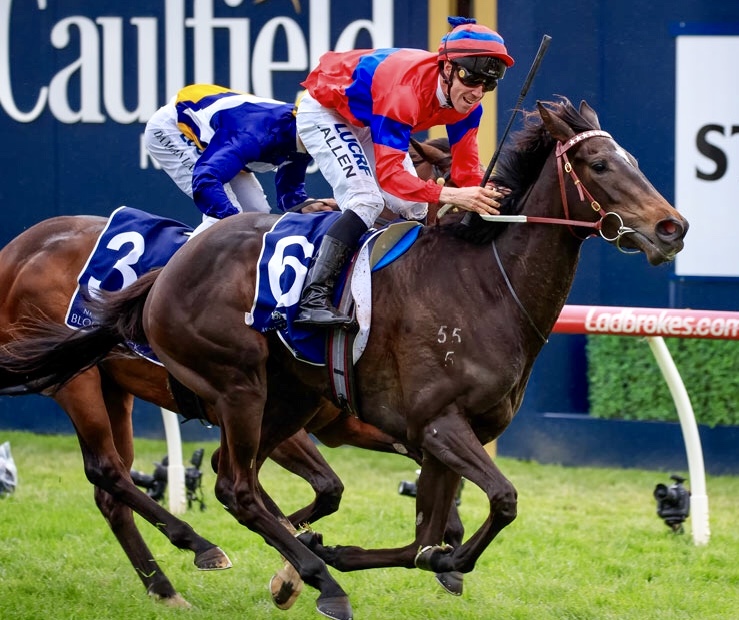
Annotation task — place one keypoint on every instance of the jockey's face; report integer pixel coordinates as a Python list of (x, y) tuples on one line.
[(463, 98)]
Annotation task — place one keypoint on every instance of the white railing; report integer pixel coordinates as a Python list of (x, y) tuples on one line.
[(654, 324)]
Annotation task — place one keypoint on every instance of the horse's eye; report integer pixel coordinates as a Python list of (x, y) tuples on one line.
[(599, 166)]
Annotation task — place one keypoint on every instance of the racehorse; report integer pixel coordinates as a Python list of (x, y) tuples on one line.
[(38, 271), (457, 324)]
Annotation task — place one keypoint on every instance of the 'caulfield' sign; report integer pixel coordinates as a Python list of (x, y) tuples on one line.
[(79, 78)]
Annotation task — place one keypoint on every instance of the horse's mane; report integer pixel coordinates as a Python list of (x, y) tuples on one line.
[(519, 165)]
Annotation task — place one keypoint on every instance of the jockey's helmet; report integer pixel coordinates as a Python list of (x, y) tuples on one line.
[(477, 53)]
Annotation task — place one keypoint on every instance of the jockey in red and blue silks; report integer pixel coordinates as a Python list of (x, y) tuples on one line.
[(211, 140), (356, 120)]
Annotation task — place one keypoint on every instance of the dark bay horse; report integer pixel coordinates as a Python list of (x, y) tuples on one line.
[(457, 324), (38, 272)]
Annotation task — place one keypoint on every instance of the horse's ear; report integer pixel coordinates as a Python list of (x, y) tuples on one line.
[(560, 130), (420, 149), (589, 114)]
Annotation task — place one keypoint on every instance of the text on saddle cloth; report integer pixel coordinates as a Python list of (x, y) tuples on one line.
[(284, 261)]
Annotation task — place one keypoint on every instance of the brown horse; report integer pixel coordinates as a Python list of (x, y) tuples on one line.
[(38, 271), (457, 324)]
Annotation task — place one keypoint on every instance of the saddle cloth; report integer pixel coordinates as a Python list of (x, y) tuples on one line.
[(132, 243), (283, 265)]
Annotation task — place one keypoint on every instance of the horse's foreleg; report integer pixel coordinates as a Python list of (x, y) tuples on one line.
[(432, 510), (453, 443)]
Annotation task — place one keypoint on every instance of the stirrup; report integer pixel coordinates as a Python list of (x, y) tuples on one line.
[(322, 316)]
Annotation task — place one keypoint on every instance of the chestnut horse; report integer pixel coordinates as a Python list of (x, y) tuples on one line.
[(457, 324), (38, 271)]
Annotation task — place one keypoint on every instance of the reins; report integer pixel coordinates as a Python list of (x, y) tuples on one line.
[(563, 166)]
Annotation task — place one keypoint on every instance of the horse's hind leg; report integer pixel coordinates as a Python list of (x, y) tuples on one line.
[(118, 404), (106, 439), (240, 408), (121, 522)]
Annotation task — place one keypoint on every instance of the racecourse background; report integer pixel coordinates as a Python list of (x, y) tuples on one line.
[(77, 82)]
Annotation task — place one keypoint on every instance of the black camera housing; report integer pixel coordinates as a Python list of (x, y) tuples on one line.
[(409, 489), (156, 484), (673, 503)]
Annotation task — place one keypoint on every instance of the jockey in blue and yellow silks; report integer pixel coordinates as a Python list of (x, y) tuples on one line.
[(211, 140)]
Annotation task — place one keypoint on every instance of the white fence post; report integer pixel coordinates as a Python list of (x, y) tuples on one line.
[(654, 324), (698, 496), (175, 468)]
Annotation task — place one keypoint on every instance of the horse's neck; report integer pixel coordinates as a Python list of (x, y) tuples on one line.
[(540, 259)]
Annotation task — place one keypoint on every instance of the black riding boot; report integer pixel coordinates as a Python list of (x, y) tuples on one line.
[(315, 302)]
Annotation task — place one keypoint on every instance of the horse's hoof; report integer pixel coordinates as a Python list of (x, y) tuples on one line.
[(285, 587), (212, 559), (452, 582), (336, 607), (175, 601), (428, 557)]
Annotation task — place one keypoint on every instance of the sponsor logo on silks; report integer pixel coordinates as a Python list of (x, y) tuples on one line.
[(346, 149)]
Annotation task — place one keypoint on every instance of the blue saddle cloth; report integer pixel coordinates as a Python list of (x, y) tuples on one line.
[(132, 243), (135, 242), (286, 255)]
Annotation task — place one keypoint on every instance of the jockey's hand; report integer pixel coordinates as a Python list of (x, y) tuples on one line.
[(320, 204), (482, 200)]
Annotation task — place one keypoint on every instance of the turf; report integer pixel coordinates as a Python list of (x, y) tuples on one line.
[(587, 545)]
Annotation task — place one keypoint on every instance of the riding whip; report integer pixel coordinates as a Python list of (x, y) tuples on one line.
[(543, 46)]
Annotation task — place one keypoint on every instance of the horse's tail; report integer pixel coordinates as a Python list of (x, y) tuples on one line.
[(48, 356)]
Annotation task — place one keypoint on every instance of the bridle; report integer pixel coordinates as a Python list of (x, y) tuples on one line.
[(564, 166)]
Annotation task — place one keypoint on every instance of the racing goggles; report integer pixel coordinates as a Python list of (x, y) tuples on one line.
[(474, 71)]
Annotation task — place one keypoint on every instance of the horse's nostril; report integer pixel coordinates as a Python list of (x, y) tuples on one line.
[(670, 229)]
